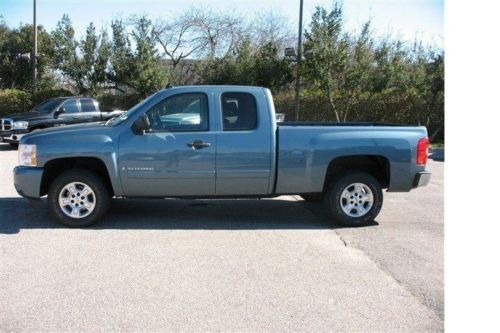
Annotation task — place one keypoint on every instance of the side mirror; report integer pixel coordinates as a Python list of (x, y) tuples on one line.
[(141, 125), (59, 111)]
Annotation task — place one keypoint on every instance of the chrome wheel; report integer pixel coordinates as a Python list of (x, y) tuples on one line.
[(356, 200), (77, 200)]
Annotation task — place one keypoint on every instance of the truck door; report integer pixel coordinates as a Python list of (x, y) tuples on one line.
[(177, 157), (244, 145), (90, 110), (71, 114)]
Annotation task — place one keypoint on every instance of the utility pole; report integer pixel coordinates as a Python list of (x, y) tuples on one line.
[(35, 52), (299, 59)]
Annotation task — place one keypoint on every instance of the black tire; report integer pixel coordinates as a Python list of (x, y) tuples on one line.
[(312, 197), (334, 197), (102, 197)]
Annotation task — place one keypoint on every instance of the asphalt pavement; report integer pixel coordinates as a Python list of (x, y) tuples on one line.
[(222, 265)]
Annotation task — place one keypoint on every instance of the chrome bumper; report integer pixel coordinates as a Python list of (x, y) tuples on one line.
[(422, 179)]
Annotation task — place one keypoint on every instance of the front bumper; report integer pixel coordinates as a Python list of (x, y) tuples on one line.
[(27, 181), (12, 136), (422, 179)]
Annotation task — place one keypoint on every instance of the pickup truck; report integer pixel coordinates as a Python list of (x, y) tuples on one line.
[(218, 142), (53, 112)]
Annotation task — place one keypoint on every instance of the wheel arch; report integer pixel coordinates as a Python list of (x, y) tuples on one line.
[(376, 165), (55, 167)]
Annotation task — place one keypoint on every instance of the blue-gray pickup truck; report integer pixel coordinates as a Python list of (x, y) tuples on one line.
[(218, 142)]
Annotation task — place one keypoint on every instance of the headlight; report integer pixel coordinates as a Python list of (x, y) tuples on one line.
[(27, 155), (20, 125)]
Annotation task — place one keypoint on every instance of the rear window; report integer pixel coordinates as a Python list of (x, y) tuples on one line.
[(88, 105), (239, 112)]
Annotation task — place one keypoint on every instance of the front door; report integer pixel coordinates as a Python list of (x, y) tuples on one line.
[(175, 158), (72, 112)]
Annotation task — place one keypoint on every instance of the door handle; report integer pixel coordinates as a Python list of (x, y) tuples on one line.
[(198, 144)]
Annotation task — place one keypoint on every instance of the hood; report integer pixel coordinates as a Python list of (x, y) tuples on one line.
[(70, 133), (31, 115)]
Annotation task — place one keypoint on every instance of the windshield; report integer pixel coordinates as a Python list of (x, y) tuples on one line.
[(47, 106), (118, 120)]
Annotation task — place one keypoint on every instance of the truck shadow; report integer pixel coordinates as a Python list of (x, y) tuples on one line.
[(243, 214)]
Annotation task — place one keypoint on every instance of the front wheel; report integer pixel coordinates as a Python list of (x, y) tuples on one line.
[(78, 198), (354, 199)]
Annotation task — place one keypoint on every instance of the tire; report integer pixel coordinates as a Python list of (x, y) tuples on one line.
[(354, 199), (82, 191), (312, 197)]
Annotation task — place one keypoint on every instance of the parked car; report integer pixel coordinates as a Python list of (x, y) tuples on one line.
[(218, 142), (53, 112)]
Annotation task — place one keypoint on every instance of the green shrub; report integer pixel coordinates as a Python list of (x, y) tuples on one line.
[(118, 102), (43, 95), (13, 101)]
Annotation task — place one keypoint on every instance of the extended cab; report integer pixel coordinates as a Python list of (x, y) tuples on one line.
[(53, 112), (218, 142)]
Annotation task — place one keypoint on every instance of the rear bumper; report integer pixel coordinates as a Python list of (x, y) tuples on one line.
[(422, 179), (27, 181)]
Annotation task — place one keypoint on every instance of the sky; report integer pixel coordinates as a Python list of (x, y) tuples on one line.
[(405, 19)]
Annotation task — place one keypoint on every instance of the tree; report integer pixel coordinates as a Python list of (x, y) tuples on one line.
[(358, 70), (326, 64), (217, 34), (270, 69), (150, 75), (271, 28), (16, 71), (83, 63), (249, 66), (123, 68)]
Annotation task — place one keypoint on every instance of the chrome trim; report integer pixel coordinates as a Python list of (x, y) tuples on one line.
[(8, 122)]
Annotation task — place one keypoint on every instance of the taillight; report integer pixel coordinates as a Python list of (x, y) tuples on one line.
[(422, 151)]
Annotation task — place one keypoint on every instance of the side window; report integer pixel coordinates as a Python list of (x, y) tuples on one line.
[(88, 105), (239, 112), (183, 112), (71, 106)]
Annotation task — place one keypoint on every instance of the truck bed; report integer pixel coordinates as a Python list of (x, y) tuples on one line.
[(295, 124)]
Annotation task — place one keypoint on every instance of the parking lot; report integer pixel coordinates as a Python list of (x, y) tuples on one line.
[(222, 265)]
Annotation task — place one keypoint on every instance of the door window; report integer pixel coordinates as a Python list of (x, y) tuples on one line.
[(88, 105), (71, 106), (180, 113), (239, 112)]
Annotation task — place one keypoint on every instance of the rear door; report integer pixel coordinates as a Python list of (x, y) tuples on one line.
[(245, 143), (90, 110)]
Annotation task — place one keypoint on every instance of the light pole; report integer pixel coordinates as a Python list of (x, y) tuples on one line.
[(34, 53), (299, 59)]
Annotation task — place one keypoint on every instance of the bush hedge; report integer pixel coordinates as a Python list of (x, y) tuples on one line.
[(13, 101)]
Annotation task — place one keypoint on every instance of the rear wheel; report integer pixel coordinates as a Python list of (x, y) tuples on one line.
[(354, 199), (78, 198)]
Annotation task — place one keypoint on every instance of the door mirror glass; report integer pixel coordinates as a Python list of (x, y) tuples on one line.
[(141, 125)]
